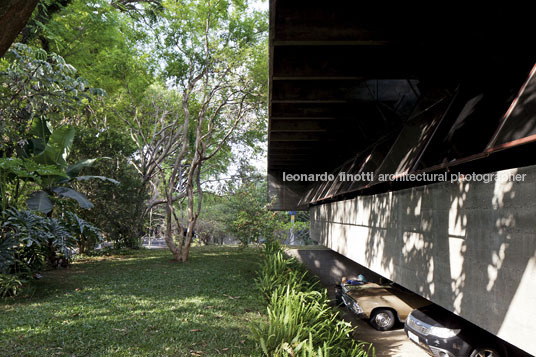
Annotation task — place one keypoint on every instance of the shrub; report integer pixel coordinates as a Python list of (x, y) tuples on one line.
[(279, 270), (24, 239), (87, 235), (10, 285), (300, 321), (29, 242)]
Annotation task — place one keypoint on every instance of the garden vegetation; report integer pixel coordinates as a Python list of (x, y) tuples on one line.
[(300, 321)]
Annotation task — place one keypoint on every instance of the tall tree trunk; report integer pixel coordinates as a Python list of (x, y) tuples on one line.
[(14, 15)]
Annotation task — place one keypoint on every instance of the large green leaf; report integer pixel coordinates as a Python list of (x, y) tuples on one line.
[(12, 166), (28, 170), (75, 195), (74, 170), (102, 178), (40, 132), (39, 201), (58, 147)]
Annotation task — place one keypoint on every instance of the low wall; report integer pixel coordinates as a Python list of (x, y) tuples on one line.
[(467, 246)]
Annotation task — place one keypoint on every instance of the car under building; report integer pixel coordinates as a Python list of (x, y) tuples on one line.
[(409, 135)]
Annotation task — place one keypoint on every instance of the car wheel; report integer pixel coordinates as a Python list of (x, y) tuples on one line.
[(485, 352), (338, 300), (338, 296), (382, 319)]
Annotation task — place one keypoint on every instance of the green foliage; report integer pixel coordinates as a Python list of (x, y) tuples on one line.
[(302, 323), (13, 171), (55, 151), (37, 84), (26, 235), (96, 42), (86, 234), (102, 42), (10, 285), (29, 242), (117, 208), (232, 33), (252, 219), (279, 270), (300, 320), (60, 239), (243, 213), (39, 88), (28, 239), (225, 46)]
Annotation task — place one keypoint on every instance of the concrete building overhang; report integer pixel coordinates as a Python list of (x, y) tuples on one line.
[(393, 90)]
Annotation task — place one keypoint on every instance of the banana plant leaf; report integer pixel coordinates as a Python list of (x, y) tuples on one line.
[(41, 131), (74, 170), (102, 178), (39, 201), (75, 195), (57, 148)]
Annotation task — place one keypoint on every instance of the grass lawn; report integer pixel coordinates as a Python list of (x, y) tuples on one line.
[(138, 304)]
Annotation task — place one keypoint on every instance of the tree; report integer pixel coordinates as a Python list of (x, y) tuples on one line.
[(251, 220), (156, 127), (116, 207), (13, 17), (40, 89), (106, 41), (107, 46), (37, 84), (213, 52)]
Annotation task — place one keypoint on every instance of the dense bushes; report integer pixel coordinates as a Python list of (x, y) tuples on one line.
[(279, 271), (10, 285), (118, 209), (300, 320), (41, 98), (30, 242)]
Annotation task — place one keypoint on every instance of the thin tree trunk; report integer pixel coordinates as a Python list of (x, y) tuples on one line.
[(168, 237), (194, 178)]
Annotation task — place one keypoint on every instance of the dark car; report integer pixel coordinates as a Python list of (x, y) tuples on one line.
[(442, 334)]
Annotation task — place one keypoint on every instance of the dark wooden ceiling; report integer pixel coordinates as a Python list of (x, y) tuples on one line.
[(344, 75)]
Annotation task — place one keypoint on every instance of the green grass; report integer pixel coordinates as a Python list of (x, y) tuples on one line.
[(141, 304)]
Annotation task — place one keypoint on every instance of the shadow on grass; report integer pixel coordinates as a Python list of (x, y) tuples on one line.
[(139, 305)]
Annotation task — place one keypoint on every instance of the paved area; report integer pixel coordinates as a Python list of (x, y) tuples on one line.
[(155, 243), (330, 266)]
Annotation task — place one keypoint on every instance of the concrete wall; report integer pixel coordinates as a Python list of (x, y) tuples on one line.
[(467, 246)]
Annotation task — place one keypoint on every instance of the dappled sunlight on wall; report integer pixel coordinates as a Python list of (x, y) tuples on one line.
[(463, 245), (524, 297)]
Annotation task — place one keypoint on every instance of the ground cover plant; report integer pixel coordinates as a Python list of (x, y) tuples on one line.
[(139, 303), (300, 320)]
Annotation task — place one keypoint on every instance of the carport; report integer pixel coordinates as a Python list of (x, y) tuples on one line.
[(402, 90)]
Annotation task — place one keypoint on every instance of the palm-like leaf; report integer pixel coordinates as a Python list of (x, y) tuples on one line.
[(57, 148), (75, 195), (39, 201), (74, 170), (102, 178)]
